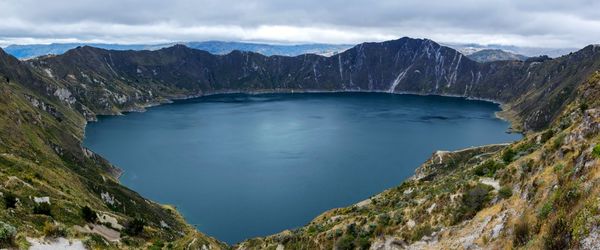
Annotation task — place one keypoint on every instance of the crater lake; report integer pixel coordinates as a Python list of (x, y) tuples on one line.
[(238, 166)]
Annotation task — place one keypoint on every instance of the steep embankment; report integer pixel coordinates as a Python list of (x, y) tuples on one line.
[(46, 102)]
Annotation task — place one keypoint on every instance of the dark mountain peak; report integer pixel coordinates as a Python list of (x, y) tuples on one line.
[(176, 47)]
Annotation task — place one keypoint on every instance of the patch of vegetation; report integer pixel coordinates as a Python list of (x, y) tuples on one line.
[(567, 195), (157, 245), (42, 208), (345, 242), (559, 234), (474, 199), (505, 192), (545, 210), (488, 168), (547, 135), (558, 141), (521, 233), (583, 107), (421, 231), (88, 214), (10, 200), (53, 230), (558, 167), (508, 155), (135, 227), (596, 151), (7, 235)]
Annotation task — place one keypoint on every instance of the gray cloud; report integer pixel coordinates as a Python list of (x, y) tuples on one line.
[(526, 23)]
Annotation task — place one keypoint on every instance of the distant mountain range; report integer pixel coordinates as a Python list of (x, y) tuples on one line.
[(476, 52), (470, 48), (214, 47), (491, 55)]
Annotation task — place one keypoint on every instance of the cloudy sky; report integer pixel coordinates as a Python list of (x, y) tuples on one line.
[(548, 23)]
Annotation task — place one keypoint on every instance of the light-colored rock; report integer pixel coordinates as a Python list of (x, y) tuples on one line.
[(56, 244), (39, 200)]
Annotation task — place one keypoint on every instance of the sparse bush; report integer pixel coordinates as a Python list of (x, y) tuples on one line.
[(10, 200), (547, 135), (508, 155), (7, 234), (419, 232), (42, 208), (135, 227), (88, 214), (567, 195), (487, 168), (583, 107), (473, 199), (505, 192), (521, 233), (558, 141), (157, 245), (559, 234), (559, 167), (53, 230), (383, 219), (345, 242)]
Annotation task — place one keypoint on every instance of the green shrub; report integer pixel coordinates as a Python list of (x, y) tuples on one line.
[(545, 210), (135, 227), (10, 200), (508, 155), (158, 245), (42, 208), (7, 235), (345, 242), (596, 151), (521, 233), (487, 168), (88, 214), (546, 135), (505, 192), (558, 141), (383, 219), (473, 199), (559, 167)]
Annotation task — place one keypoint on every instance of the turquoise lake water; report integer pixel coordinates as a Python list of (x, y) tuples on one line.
[(240, 166)]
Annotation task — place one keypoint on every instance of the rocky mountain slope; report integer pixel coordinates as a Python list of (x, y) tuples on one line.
[(46, 102)]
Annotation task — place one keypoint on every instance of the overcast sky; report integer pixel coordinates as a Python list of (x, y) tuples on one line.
[(548, 23)]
